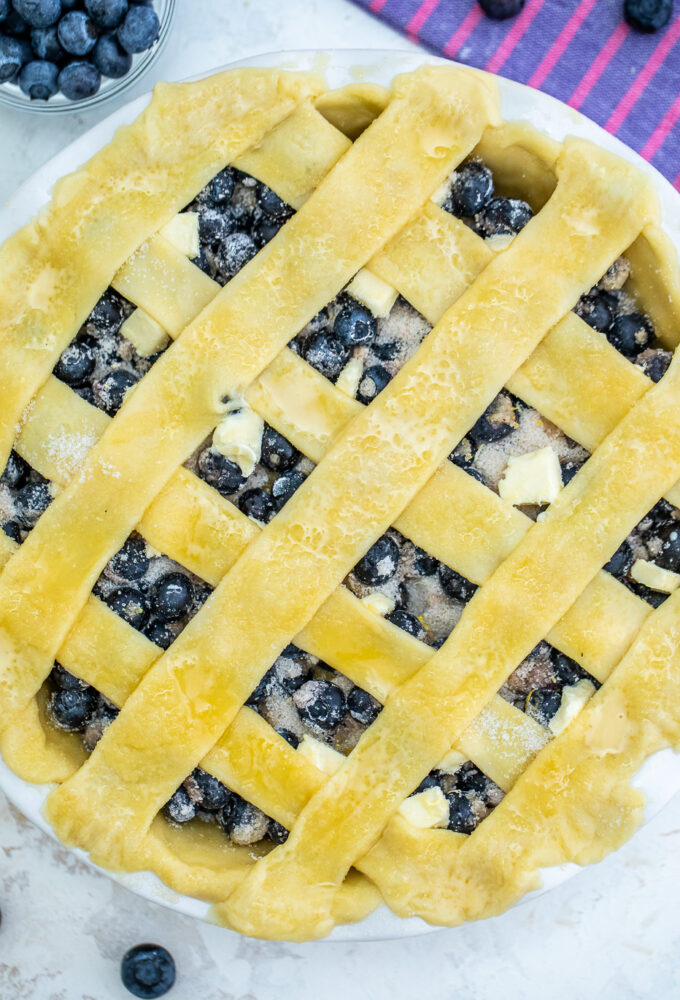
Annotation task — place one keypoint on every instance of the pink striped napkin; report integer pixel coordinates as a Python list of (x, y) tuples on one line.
[(581, 51)]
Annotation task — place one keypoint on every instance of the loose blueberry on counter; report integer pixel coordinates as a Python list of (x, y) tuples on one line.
[(278, 454), (461, 817), (172, 597), (326, 353), (471, 189), (372, 382), (38, 80), (455, 585), (31, 503), (110, 391), (79, 80), (407, 622), (77, 361), (630, 334), (499, 10), (257, 504), (503, 216), (648, 15), (285, 485), (14, 52), (131, 562), (355, 325), (131, 604), (110, 59), (139, 30), (362, 706), (148, 971), (106, 13), (38, 13), (16, 471), (379, 564), (321, 703), (71, 707)]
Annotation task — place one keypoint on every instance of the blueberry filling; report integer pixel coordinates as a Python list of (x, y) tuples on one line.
[(536, 686), (656, 541), (469, 793), (24, 497)]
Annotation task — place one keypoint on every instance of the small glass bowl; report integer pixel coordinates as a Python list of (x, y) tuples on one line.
[(11, 95)]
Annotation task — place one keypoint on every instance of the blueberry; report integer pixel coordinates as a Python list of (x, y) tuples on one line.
[(621, 561), (380, 562), (454, 585), (569, 470), (325, 353), (14, 52), (503, 216), (542, 704), (31, 502), (355, 325), (214, 795), (235, 252), (471, 189), (654, 363), (77, 33), (321, 703), (63, 679), (289, 737), (107, 314), (461, 817), (172, 597), (276, 832), (648, 15), (13, 530), (235, 813), (497, 421), (16, 471), (110, 391), (567, 670), (38, 80), (79, 80), (215, 225), (498, 10), (220, 472), (270, 203), (424, 563), (278, 454), (4, 9), (180, 808), (106, 13), (372, 382), (669, 557), (630, 333), (38, 13), (408, 622), (220, 189), (131, 604), (597, 309), (131, 562), (160, 634), (45, 44), (429, 781), (110, 59), (362, 706), (139, 30), (285, 485), (147, 971), (70, 708), (470, 779), (257, 504), (265, 230), (77, 362)]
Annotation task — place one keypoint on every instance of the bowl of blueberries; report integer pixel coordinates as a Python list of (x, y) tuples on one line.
[(62, 55)]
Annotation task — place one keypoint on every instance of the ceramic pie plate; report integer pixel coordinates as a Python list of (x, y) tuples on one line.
[(659, 778)]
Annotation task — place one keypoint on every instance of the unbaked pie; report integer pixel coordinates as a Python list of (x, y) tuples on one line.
[(341, 541)]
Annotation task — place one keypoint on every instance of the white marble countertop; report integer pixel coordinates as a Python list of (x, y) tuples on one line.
[(613, 932)]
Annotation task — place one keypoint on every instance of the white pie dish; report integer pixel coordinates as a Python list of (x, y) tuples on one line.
[(660, 777)]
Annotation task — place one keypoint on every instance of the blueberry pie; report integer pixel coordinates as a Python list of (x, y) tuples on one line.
[(341, 526)]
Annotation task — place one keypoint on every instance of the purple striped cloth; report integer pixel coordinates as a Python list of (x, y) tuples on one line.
[(580, 51)]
